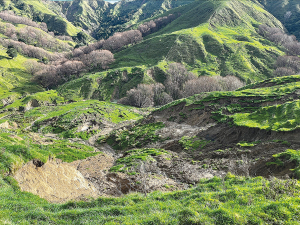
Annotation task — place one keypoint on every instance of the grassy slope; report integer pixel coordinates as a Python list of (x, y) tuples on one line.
[(251, 109), (209, 44), (14, 81), (107, 86), (21, 145), (39, 10), (236, 200)]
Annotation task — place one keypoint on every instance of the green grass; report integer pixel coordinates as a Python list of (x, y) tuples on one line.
[(19, 148), (136, 137), (66, 118), (107, 85), (236, 200), (285, 117), (134, 157), (247, 144), (192, 143), (14, 80), (289, 156), (45, 97)]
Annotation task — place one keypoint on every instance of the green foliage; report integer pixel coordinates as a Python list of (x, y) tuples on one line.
[(133, 157), (247, 144), (193, 143), (12, 52), (106, 86), (45, 60), (289, 155), (283, 117), (135, 137)]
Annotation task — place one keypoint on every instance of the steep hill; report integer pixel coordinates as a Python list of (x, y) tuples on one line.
[(42, 11), (285, 11), (102, 19), (208, 37), (222, 40)]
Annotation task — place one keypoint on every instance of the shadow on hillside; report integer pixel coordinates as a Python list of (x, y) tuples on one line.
[(4, 57), (28, 87)]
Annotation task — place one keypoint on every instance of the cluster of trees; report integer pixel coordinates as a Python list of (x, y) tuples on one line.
[(31, 51), (12, 18), (154, 25), (119, 40), (64, 38), (33, 36), (287, 65), (290, 63), (59, 71), (178, 84), (114, 43)]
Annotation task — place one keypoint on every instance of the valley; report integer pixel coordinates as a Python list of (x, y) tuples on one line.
[(149, 112)]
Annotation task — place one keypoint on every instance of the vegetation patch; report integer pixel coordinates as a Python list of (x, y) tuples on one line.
[(16, 150), (135, 137), (193, 143), (289, 155), (67, 119), (248, 144), (285, 117), (133, 158)]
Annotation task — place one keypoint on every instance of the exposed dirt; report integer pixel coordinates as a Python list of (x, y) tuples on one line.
[(55, 181), (7, 125)]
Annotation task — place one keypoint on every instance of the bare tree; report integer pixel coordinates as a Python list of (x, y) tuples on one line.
[(142, 96), (32, 66), (177, 77), (118, 40), (99, 58), (283, 71), (292, 62)]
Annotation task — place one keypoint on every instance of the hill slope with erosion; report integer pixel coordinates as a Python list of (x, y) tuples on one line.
[(243, 132), (188, 147), (203, 159)]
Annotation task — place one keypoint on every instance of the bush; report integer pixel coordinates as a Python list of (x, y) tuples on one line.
[(12, 52)]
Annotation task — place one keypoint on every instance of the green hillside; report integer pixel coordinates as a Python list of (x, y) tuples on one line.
[(40, 11), (222, 41), (104, 19), (208, 45)]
